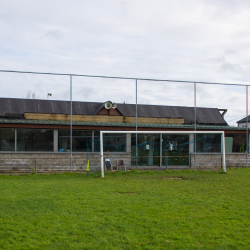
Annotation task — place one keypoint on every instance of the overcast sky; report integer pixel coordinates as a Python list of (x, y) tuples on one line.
[(195, 40)]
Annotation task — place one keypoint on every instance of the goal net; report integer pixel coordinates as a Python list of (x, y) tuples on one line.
[(141, 150)]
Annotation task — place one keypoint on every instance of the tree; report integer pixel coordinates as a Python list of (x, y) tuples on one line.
[(32, 95)]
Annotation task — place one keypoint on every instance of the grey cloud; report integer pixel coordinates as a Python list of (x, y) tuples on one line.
[(230, 67), (54, 34), (231, 52), (218, 59)]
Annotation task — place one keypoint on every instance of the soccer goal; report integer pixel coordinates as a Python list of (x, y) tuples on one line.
[(163, 148)]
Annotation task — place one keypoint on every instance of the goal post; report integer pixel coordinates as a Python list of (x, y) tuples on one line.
[(163, 132)]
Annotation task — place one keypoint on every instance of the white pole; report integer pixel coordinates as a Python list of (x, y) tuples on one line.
[(223, 152), (247, 137), (195, 125), (71, 123), (136, 138), (101, 152), (163, 132)]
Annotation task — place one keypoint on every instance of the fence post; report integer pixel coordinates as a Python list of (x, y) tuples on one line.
[(166, 162)]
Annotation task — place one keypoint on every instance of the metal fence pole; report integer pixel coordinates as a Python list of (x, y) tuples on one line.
[(15, 139), (247, 151), (160, 150), (194, 125), (136, 149), (70, 123)]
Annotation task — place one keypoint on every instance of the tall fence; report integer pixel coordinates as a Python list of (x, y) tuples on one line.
[(169, 159)]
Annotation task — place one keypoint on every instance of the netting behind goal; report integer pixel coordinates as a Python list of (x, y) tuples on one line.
[(120, 150)]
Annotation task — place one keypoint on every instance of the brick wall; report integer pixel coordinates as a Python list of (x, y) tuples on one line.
[(206, 161), (214, 161), (55, 162), (237, 160), (60, 162)]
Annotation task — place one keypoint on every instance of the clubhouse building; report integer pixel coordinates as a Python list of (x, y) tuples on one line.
[(35, 136)]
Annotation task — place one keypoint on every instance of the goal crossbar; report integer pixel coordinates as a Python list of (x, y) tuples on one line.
[(162, 132)]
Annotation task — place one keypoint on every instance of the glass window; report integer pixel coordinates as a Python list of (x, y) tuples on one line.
[(34, 139), (208, 143), (97, 141), (148, 149), (7, 139), (81, 140), (114, 142), (235, 143), (111, 142), (176, 147)]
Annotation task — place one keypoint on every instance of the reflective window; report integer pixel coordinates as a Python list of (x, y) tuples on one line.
[(81, 140), (97, 141), (34, 139), (114, 142), (235, 143), (7, 139), (176, 149), (208, 143), (111, 142), (148, 149)]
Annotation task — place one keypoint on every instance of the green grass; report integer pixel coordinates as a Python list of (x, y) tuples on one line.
[(132, 210)]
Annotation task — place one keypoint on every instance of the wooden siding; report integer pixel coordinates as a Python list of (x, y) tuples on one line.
[(103, 118)]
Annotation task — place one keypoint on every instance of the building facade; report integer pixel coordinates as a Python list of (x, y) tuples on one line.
[(35, 136), (245, 122)]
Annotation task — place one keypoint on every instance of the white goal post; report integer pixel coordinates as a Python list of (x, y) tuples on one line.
[(163, 132)]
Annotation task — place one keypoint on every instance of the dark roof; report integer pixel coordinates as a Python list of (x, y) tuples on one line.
[(244, 119), (206, 116)]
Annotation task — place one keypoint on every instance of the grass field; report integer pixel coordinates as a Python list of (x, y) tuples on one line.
[(132, 210)]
